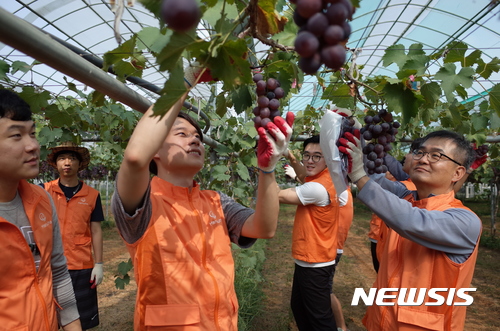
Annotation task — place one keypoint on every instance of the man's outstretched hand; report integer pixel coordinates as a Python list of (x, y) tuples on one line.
[(273, 142), (194, 73)]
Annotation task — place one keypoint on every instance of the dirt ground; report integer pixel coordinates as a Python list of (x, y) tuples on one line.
[(355, 270)]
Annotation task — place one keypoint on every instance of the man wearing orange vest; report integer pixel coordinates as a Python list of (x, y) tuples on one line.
[(314, 241), (296, 170), (35, 286), (80, 215), (179, 236), (432, 239)]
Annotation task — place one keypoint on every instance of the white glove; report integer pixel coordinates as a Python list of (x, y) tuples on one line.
[(290, 172), (97, 275), (352, 147)]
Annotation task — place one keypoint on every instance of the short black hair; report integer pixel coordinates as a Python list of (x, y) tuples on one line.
[(416, 144), (13, 107), (463, 150), (153, 168), (311, 140)]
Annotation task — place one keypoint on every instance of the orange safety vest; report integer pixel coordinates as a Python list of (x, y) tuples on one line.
[(74, 220), (26, 298), (314, 237), (183, 263), (407, 264), (346, 213)]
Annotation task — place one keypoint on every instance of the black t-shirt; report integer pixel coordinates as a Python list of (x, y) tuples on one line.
[(97, 214)]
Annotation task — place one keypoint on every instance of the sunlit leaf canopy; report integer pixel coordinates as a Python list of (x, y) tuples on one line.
[(376, 25)]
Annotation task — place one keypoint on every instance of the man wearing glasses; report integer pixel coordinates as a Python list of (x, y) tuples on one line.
[(432, 241), (314, 241)]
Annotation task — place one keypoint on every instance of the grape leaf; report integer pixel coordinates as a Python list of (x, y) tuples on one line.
[(450, 80), (219, 172), (242, 171), (288, 35), (479, 122), (431, 93), (171, 53), (217, 16), (47, 135), (402, 101), (38, 100), (153, 39), (495, 121), (486, 69), (172, 91), (242, 99), (119, 54), (220, 105), (394, 54), (20, 66), (456, 52), (230, 65), (339, 95), (494, 94), (472, 58), (268, 19)]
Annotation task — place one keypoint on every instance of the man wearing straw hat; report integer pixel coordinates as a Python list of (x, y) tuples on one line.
[(80, 214)]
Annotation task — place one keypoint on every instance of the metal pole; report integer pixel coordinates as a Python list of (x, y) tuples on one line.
[(28, 39), (23, 36)]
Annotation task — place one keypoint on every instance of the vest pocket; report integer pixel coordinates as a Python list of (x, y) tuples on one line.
[(421, 318), (84, 241), (169, 315)]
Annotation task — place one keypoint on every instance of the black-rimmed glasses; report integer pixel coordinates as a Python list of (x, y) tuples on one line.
[(315, 158), (432, 156)]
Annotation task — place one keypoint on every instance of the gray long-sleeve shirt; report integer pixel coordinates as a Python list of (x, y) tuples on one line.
[(454, 231), (395, 168)]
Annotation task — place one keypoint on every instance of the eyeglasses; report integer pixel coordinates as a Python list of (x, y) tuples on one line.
[(432, 156), (315, 158)]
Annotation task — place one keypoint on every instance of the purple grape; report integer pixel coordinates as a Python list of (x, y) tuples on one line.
[(265, 112), (271, 84), (263, 101), (274, 104), (261, 85), (377, 129), (265, 122), (279, 93), (367, 135), (372, 156), (257, 77), (317, 24)]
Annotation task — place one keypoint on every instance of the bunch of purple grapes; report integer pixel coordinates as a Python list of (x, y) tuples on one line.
[(378, 132), (268, 94), (324, 29)]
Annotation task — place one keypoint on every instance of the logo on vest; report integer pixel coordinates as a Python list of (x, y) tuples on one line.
[(215, 221), (43, 218), (409, 297), (83, 201)]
